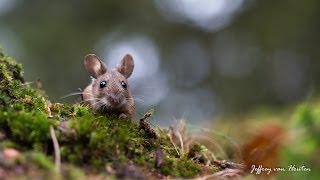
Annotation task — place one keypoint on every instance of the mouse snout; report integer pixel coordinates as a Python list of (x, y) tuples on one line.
[(114, 99)]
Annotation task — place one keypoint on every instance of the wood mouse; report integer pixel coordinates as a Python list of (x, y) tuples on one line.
[(109, 91)]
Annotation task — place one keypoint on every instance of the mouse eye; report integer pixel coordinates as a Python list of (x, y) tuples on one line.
[(103, 84), (123, 84)]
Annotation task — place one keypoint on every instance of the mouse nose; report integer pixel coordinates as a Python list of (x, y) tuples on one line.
[(114, 99)]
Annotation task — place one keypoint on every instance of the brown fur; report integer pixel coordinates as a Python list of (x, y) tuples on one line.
[(113, 98)]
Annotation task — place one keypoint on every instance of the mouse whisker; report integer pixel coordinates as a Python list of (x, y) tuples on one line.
[(98, 101), (91, 99), (99, 104), (73, 94), (105, 106), (139, 95), (136, 99), (142, 97)]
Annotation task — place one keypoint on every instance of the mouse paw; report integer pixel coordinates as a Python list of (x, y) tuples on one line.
[(122, 116)]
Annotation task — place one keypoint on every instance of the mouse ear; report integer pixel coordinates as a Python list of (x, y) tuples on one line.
[(94, 65), (125, 67)]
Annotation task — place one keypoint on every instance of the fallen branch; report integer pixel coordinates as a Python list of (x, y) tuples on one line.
[(56, 150)]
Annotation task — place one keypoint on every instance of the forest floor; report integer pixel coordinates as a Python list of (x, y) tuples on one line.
[(40, 139)]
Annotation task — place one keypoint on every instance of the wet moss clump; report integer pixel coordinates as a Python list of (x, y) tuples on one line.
[(14, 92), (89, 143), (180, 167)]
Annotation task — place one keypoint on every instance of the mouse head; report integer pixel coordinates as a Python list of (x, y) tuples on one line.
[(109, 86)]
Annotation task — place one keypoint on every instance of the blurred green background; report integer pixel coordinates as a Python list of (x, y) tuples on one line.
[(197, 59)]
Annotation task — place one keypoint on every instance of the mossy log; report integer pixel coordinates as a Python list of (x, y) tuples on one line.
[(90, 144)]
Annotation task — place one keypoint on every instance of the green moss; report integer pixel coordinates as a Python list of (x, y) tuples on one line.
[(14, 93), (39, 160), (180, 168), (72, 173), (8, 144), (100, 136), (27, 127)]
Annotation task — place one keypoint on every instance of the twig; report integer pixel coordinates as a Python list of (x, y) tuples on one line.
[(48, 105), (159, 158), (56, 150), (224, 174), (181, 142), (145, 125), (174, 145), (230, 165), (39, 85)]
